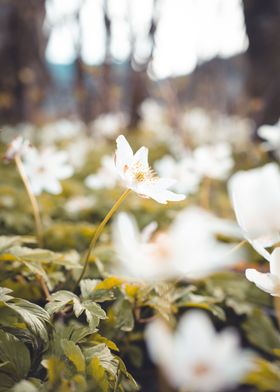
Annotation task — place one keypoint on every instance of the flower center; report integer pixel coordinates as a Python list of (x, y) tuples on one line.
[(140, 176), (201, 369)]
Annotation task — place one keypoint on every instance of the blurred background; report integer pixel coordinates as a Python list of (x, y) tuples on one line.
[(83, 58)]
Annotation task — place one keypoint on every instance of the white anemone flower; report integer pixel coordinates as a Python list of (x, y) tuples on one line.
[(271, 135), (197, 358), (214, 161), (106, 177), (255, 196), (182, 171), (268, 282), (189, 248), (18, 146), (137, 175), (45, 169)]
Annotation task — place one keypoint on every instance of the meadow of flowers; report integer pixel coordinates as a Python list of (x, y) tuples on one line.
[(140, 260)]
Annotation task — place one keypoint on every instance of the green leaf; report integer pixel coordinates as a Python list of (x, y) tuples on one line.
[(123, 312), (94, 313), (59, 300), (102, 352), (73, 352), (92, 310), (261, 332), (33, 315), (3, 294), (14, 357)]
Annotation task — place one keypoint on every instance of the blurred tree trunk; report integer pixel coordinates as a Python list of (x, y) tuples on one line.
[(23, 75), (262, 19), (138, 78)]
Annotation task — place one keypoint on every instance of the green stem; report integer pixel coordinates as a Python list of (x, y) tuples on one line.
[(99, 231), (36, 214), (33, 200)]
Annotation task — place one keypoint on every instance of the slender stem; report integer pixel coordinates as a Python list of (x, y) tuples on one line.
[(37, 218), (205, 193), (236, 247), (99, 231), (33, 200)]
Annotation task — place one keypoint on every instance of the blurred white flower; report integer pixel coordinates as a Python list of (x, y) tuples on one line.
[(197, 358), (45, 168), (205, 126), (255, 196), (197, 123), (155, 119), (141, 256), (19, 146), (197, 252), (59, 130), (78, 151), (271, 135), (189, 248), (187, 179), (77, 204), (109, 124), (137, 175), (268, 282), (214, 161), (106, 177)]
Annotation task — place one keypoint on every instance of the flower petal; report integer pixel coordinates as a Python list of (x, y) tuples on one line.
[(124, 154), (142, 156), (264, 281), (275, 262)]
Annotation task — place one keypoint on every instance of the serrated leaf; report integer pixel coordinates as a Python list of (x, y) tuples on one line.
[(59, 300), (73, 352), (33, 315), (87, 287), (102, 352), (94, 313)]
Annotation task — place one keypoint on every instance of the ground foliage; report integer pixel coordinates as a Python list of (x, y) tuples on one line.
[(87, 339)]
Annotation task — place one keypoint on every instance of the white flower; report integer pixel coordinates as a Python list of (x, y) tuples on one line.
[(19, 146), (197, 252), (77, 204), (137, 175), (268, 282), (189, 248), (78, 151), (214, 161), (271, 133), (45, 168), (182, 171), (106, 176), (141, 256), (197, 358), (109, 124), (62, 129), (255, 196)]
